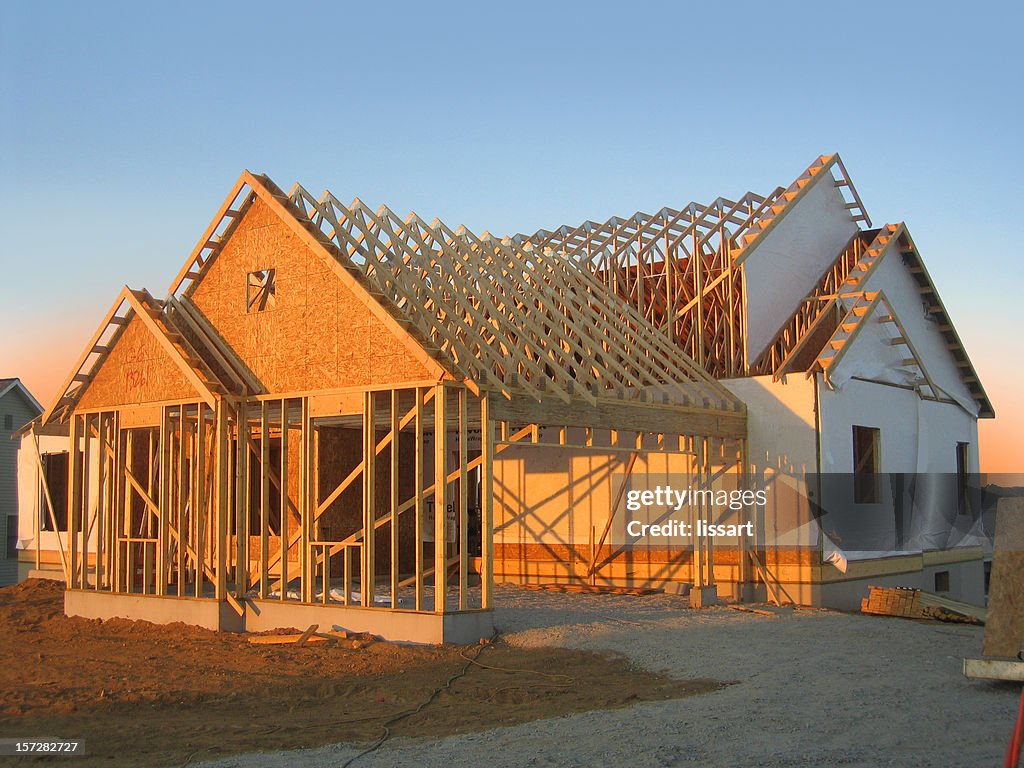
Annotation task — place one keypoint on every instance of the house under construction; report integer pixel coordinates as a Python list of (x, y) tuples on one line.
[(344, 417)]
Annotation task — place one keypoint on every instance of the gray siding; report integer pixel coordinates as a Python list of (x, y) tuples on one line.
[(22, 412)]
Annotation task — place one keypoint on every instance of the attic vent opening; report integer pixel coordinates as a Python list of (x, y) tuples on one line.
[(260, 291)]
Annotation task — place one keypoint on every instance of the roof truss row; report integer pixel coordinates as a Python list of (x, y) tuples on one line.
[(511, 318)]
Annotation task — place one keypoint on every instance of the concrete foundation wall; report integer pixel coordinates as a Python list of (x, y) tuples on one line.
[(404, 626), (158, 610), (264, 615), (966, 583)]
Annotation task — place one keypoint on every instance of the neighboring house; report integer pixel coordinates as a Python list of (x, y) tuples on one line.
[(17, 408), (43, 500), (271, 442)]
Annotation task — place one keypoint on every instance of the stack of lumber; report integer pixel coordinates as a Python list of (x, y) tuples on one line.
[(592, 589), (917, 604), (901, 601)]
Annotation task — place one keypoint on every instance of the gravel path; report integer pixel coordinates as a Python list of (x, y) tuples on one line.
[(813, 688)]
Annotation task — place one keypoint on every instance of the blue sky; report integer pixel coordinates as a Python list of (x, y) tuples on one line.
[(123, 125)]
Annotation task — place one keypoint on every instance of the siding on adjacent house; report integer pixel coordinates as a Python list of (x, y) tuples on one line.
[(21, 411)]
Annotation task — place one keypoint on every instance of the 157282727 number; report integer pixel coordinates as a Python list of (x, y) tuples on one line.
[(67, 747)]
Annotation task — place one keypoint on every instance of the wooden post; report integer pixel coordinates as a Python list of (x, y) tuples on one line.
[(394, 431), (124, 552), (74, 501), (84, 514), (305, 508), (164, 504), (283, 477), (696, 564), (746, 566), (242, 500), (487, 504), (420, 394), (102, 494), (440, 496), (181, 500), (367, 560), (316, 531), (151, 480), (117, 507), (463, 512), (264, 499), (221, 541), (39, 511), (709, 548), (200, 504)]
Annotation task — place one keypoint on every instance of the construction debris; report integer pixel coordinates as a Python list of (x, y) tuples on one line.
[(910, 603), (290, 639), (307, 635), (591, 589), (311, 635), (759, 611)]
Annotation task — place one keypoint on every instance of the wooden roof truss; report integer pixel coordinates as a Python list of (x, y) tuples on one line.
[(679, 267), (224, 222), (859, 309), (800, 340), (848, 272), (510, 318), (152, 314)]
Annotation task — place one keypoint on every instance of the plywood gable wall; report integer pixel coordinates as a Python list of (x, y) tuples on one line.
[(137, 370), (318, 335)]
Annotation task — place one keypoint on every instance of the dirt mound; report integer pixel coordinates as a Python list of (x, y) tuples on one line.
[(145, 694)]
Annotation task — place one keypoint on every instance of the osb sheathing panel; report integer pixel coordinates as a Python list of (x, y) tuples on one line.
[(1004, 628), (318, 335), (137, 370)]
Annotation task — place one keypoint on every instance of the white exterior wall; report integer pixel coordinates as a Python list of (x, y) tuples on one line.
[(900, 288), (917, 437), (788, 263), (782, 451)]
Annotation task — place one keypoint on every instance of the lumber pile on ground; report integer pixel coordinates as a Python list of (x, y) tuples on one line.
[(311, 636), (592, 589), (910, 603)]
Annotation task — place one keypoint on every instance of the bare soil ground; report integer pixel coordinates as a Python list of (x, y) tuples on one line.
[(815, 688), (142, 694)]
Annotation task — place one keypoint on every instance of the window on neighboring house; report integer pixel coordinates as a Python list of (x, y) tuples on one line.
[(55, 475), (12, 537), (963, 468), (866, 465), (260, 291), (8, 422)]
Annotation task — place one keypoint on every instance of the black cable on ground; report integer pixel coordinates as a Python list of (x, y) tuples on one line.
[(470, 661)]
